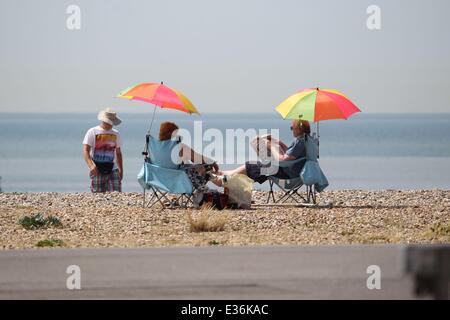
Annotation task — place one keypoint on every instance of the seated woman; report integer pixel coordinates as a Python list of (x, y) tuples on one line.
[(186, 158), (279, 151)]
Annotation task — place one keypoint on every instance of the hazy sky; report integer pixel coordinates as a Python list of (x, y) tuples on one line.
[(226, 56)]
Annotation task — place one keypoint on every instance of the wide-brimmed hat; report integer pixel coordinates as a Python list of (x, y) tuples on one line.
[(109, 116)]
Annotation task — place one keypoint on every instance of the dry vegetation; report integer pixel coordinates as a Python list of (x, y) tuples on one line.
[(118, 220), (206, 219)]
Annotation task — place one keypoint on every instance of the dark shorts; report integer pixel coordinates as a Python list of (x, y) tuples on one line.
[(253, 170)]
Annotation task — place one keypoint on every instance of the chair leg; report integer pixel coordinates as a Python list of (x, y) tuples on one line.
[(154, 199), (298, 195), (143, 199), (164, 196), (313, 194), (147, 203), (151, 202), (273, 194), (186, 200), (292, 194), (158, 197), (270, 191), (287, 195), (181, 200), (284, 197), (189, 200)]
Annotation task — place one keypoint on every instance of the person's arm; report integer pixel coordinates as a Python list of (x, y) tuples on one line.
[(87, 157), (286, 157), (277, 155), (187, 153), (282, 157), (296, 151), (119, 162), (283, 146)]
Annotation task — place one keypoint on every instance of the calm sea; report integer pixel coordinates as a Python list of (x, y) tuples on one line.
[(42, 152)]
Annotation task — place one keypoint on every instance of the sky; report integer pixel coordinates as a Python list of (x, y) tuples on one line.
[(226, 56)]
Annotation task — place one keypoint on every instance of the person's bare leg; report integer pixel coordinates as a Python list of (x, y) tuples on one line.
[(217, 180), (240, 170)]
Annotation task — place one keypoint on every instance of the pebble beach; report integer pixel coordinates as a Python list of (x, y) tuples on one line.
[(119, 220)]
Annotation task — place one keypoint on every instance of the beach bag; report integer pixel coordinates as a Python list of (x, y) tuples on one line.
[(239, 188), (215, 199), (311, 174)]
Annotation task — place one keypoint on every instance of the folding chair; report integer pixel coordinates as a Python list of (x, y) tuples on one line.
[(163, 177), (290, 187), (162, 182), (311, 176)]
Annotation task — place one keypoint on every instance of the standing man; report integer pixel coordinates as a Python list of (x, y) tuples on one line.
[(101, 146)]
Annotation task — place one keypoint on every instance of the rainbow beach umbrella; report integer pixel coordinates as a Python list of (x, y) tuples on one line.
[(317, 105), (159, 95)]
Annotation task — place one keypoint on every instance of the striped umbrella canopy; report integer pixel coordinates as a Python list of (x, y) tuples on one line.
[(159, 95), (317, 105)]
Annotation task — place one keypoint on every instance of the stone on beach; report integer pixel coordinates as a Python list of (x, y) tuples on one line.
[(119, 220)]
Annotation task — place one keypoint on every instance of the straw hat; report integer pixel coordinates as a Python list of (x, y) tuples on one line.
[(109, 116)]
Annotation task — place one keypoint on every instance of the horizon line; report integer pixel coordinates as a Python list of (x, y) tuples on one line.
[(204, 113)]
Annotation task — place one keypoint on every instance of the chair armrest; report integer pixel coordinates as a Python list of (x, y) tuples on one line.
[(290, 163), (197, 165)]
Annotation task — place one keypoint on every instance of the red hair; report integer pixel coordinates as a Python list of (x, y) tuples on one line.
[(166, 129)]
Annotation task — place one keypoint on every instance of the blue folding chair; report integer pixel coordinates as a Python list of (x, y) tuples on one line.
[(290, 187), (162, 176), (310, 176)]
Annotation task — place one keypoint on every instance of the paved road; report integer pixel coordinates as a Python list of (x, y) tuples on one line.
[(206, 273)]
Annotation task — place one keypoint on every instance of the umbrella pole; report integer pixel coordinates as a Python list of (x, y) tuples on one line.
[(318, 134), (153, 118), (147, 137), (318, 139)]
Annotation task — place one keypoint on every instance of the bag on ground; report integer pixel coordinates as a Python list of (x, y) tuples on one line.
[(239, 190)]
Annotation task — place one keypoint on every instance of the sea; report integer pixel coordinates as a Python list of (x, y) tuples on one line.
[(42, 152)]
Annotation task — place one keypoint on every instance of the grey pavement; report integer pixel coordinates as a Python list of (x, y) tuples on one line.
[(274, 272)]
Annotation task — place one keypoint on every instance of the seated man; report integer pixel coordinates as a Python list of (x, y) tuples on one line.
[(278, 150)]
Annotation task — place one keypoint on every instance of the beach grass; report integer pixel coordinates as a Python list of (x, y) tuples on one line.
[(50, 243), (439, 231), (38, 221), (207, 219)]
